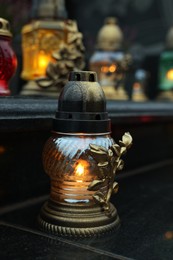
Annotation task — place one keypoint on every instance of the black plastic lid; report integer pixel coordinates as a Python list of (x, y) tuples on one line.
[(82, 106)]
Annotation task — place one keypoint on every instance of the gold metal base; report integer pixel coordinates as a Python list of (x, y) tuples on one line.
[(166, 95), (32, 89), (77, 220), (140, 97)]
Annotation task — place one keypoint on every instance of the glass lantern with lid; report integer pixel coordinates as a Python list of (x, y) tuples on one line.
[(81, 159), (8, 60), (52, 46), (45, 33), (166, 69), (109, 61)]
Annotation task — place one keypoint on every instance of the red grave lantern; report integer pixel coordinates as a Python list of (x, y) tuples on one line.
[(8, 60)]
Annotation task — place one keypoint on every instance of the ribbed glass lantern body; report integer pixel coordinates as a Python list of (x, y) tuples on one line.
[(71, 168), (106, 66)]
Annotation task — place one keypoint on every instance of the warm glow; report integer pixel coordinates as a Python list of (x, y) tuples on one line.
[(2, 149), (43, 60), (136, 86), (169, 74), (112, 68), (169, 235), (106, 69), (79, 169)]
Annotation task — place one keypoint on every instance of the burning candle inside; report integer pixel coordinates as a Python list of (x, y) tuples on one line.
[(43, 60), (109, 69), (81, 170), (169, 74)]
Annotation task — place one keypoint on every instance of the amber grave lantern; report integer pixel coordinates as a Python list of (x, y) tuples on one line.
[(51, 46), (81, 160), (8, 60)]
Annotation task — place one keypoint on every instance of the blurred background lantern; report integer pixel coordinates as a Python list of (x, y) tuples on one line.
[(109, 61), (166, 69), (44, 43), (139, 86), (8, 60), (81, 159)]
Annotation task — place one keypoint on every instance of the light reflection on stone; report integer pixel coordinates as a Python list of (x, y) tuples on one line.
[(2, 149), (168, 235)]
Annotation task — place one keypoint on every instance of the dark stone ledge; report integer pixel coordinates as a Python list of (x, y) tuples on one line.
[(33, 113)]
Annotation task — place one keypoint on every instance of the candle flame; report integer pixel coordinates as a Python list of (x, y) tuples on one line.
[(112, 68), (106, 69), (169, 74), (79, 169), (43, 60)]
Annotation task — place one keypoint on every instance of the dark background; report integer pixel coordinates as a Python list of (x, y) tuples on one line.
[(144, 24)]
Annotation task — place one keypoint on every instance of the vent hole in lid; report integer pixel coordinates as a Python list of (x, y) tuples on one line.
[(69, 116), (91, 77), (77, 77), (98, 117)]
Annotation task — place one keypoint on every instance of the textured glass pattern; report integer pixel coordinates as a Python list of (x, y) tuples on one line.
[(38, 46), (71, 169)]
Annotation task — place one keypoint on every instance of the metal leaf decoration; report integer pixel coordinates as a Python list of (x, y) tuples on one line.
[(69, 57), (109, 162), (96, 183)]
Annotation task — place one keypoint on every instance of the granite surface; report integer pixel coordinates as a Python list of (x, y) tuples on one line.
[(144, 204), (21, 244)]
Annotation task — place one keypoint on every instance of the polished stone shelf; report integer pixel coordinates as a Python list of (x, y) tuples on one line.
[(29, 113), (17, 243), (144, 204)]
